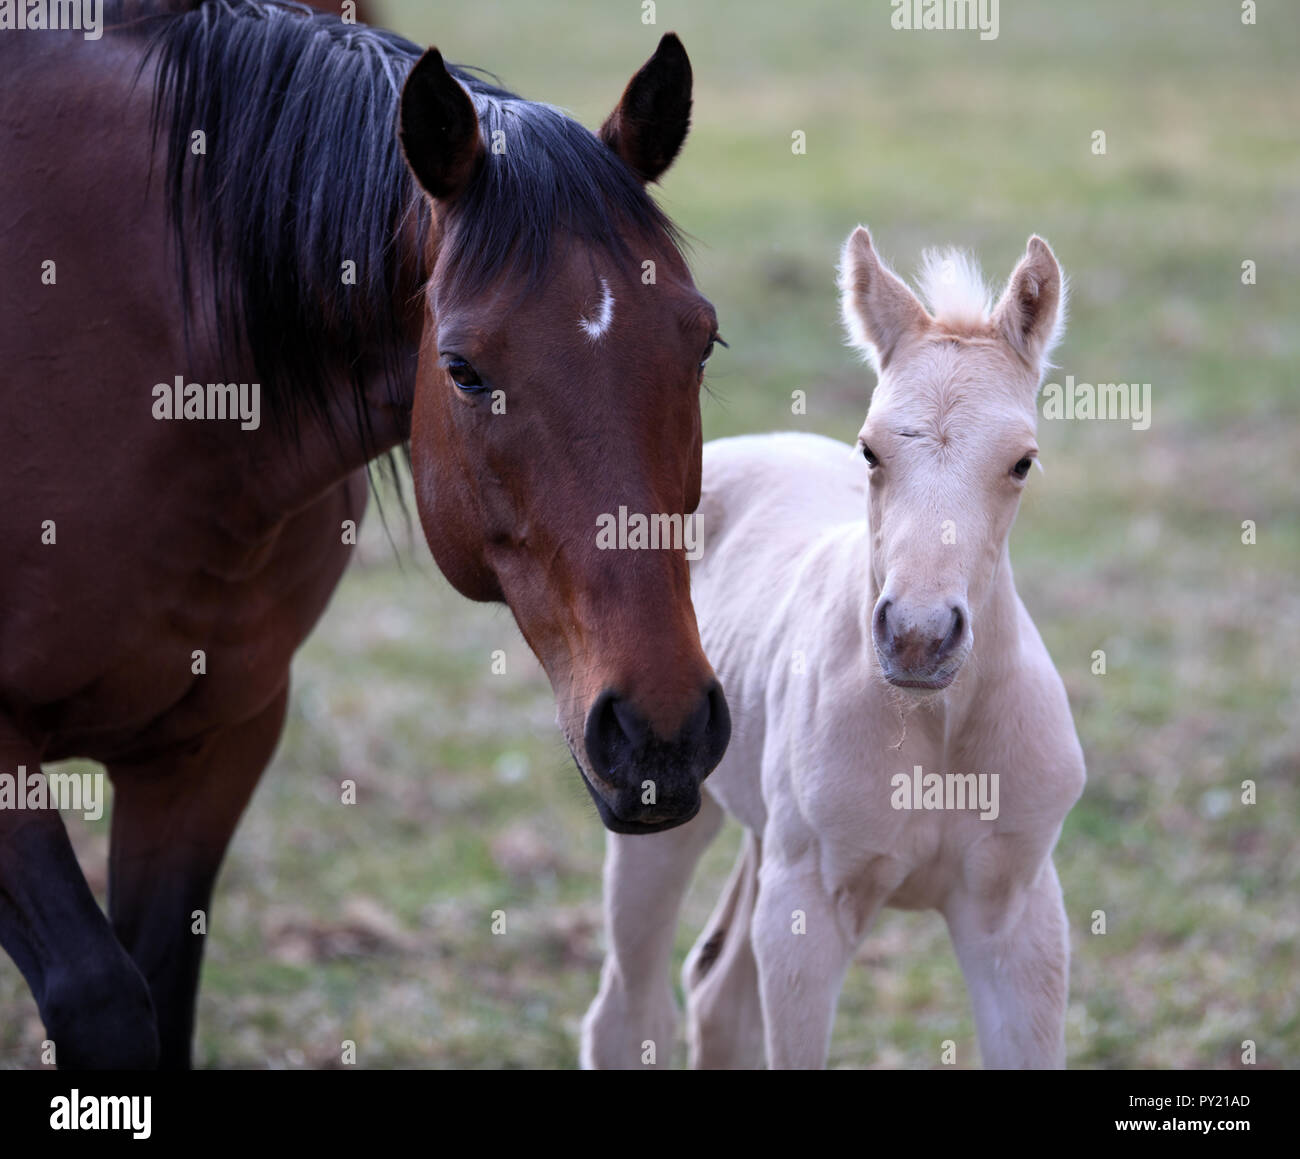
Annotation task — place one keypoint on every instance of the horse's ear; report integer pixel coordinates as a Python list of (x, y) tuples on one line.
[(1031, 312), (649, 125), (878, 309), (438, 128)]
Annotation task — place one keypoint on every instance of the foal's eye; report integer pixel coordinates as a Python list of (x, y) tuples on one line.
[(870, 456), (1021, 469), (463, 374)]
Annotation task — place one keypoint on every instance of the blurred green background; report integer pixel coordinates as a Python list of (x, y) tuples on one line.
[(373, 923)]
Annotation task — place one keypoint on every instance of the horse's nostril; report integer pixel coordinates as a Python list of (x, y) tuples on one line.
[(622, 746), (717, 733), (631, 723), (697, 724), (611, 726)]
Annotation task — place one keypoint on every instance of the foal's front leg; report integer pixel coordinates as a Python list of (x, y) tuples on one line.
[(802, 954), (1016, 960), (724, 1012), (646, 877)]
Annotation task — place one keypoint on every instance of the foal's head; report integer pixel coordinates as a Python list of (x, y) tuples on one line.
[(949, 440), (560, 367)]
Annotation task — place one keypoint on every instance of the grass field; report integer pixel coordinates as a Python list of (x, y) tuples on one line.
[(373, 922)]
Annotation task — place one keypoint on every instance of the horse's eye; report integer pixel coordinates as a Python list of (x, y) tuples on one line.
[(716, 340), (463, 374), (1021, 469), (870, 456)]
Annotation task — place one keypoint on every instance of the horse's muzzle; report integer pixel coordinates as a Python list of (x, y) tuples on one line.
[(644, 783)]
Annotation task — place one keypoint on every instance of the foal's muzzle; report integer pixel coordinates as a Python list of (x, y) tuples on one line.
[(642, 782), (921, 647)]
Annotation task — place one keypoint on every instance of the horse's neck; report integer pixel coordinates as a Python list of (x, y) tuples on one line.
[(356, 430), (336, 359), (295, 469)]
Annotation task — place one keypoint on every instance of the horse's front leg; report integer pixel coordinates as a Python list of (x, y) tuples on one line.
[(173, 816), (1015, 955), (92, 999)]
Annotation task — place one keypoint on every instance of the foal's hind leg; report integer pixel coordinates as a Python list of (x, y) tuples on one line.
[(1016, 960), (92, 999), (173, 816), (645, 881), (724, 1015)]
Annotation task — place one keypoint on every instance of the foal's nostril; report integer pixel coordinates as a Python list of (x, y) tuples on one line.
[(953, 638), (882, 620)]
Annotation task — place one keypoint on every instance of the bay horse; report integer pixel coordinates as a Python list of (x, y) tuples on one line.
[(215, 195), (902, 736)]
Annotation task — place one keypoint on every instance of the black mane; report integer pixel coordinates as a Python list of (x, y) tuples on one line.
[(303, 172)]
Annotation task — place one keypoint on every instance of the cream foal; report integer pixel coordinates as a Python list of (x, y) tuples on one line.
[(863, 619)]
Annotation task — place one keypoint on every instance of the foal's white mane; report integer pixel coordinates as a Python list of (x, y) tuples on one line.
[(953, 288)]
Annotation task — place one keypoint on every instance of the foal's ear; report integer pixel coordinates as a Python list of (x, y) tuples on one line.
[(878, 309), (649, 125), (1031, 312), (438, 128)]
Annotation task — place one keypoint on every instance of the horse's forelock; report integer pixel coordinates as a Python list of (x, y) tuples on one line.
[(545, 180)]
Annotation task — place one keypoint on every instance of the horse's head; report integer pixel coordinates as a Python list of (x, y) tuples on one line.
[(949, 439), (560, 368)]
